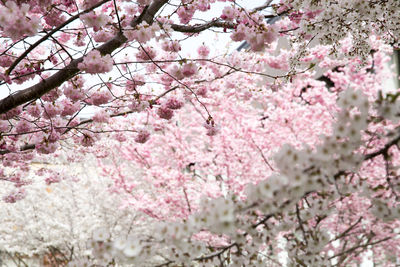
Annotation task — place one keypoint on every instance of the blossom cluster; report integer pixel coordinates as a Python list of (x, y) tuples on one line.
[(143, 32), (332, 22), (14, 20), (186, 70), (91, 19), (94, 63), (243, 223)]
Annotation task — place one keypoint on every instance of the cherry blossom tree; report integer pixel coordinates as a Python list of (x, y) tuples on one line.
[(285, 154)]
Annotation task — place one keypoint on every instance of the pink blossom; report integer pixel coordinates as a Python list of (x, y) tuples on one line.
[(15, 21), (132, 84), (4, 126), (74, 122), (173, 103), (15, 196), (88, 3), (138, 106), (34, 110), (202, 91), (102, 36), (93, 63), (5, 60), (203, 5), (167, 79), (212, 129), (64, 37), (53, 136), (142, 136), (100, 97), (270, 34), (185, 14), (52, 96), (120, 137), (52, 109), (189, 69), (144, 33), (73, 93), (5, 78), (146, 53), (69, 107), (279, 62), (55, 178), (54, 18), (256, 41), (87, 140), (240, 33), (91, 19), (12, 113), (176, 72), (228, 13), (203, 51), (101, 116), (23, 126), (171, 46), (165, 112)]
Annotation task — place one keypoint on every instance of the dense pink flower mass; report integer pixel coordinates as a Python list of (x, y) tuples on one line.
[(95, 63), (284, 153), (96, 21), (15, 22)]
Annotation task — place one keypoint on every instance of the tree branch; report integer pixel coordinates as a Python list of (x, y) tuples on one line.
[(201, 27), (44, 38), (266, 5), (383, 150), (363, 246), (71, 70)]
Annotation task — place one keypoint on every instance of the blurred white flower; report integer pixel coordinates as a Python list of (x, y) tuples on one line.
[(101, 234), (133, 247)]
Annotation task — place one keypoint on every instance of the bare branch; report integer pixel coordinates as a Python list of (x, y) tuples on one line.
[(217, 23), (266, 5)]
